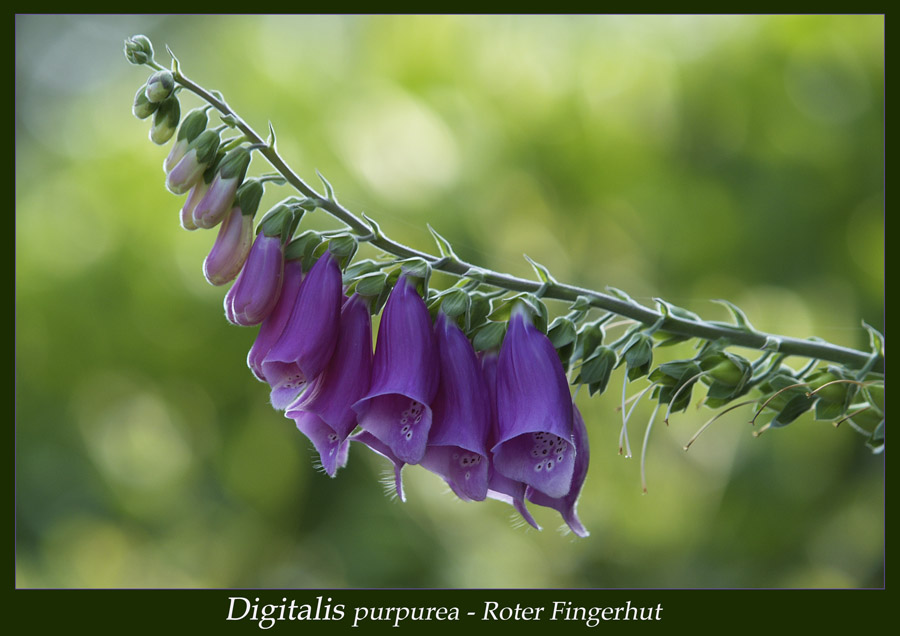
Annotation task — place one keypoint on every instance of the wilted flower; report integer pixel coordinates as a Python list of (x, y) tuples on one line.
[(307, 341), (255, 292), (217, 201), (397, 407), (324, 412), (457, 442), (534, 411), (566, 505)]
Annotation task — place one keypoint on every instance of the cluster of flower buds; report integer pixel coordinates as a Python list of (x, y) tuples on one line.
[(497, 424)]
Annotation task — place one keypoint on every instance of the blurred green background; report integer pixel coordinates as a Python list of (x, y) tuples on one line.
[(688, 158)]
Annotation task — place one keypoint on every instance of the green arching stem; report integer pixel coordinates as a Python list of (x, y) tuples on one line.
[(667, 322)]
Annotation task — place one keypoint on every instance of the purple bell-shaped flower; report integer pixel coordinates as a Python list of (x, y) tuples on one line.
[(566, 505), (324, 413), (534, 411), (500, 487), (308, 339), (397, 408), (457, 443)]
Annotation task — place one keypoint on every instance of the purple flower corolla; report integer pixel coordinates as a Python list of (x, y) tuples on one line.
[(566, 505), (324, 412), (271, 328), (218, 200), (534, 411), (308, 340), (397, 407), (500, 487), (255, 292), (457, 442), (229, 252)]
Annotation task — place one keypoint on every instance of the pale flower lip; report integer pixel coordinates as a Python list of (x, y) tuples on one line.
[(405, 376), (567, 504)]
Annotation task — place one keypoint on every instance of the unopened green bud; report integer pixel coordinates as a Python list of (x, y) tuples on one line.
[(235, 164), (138, 49), (165, 121), (160, 86), (726, 368), (143, 107)]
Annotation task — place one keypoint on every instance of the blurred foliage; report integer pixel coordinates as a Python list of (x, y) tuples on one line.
[(691, 158)]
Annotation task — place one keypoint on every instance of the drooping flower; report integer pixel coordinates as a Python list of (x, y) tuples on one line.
[(397, 407), (255, 292), (217, 201), (500, 487), (324, 412), (566, 505), (229, 252), (534, 411), (457, 443), (308, 340)]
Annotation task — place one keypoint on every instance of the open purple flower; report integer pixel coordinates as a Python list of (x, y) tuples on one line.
[(534, 411), (500, 487), (566, 505), (255, 292), (324, 412), (397, 407), (308, 339), (457, 442)]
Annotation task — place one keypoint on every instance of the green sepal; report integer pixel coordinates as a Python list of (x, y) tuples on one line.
[(194, 123), (638, 356), (596, 370), (726, 368), (302, 248), (370, 285), (490, 336), (359, 268), (562, 332), (343, 247), (479, 308), (248, 196), (794, 408), (454, 302), (235, 163)]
